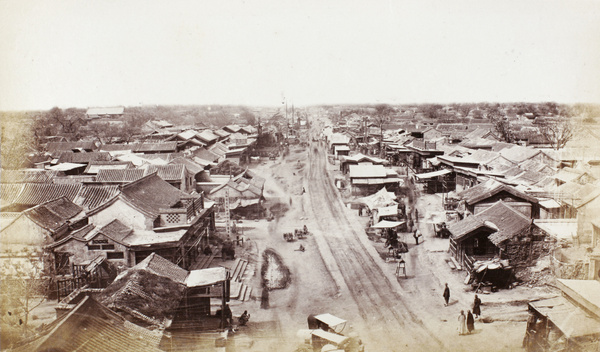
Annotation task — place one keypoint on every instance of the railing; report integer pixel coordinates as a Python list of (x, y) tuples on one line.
[(468, 262), (65, 287)]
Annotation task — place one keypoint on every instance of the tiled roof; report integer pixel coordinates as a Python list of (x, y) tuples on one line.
[(7, 218), (222, 133), (78, 158), (207, 136), (361, 157), (74, 179), (510, 222), (119, 176), (117, 147), (232, 128), (151, 193), (156, 147), (172, 172), (27, 176), (116, 230), (219, 149), (9, 192), (536, 166), (38, 193), (82, 232), (54, 147), (206, 154), (479, 132), (189, 134), (91, 327), (93, 196), (160, 266), (190, 165), (249, 129), (518, 153), (488, 189), (53, 214), (95, 166), (502, 221)]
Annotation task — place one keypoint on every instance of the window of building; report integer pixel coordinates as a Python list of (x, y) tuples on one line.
[(108, 246), (115, 255), (94, 247)]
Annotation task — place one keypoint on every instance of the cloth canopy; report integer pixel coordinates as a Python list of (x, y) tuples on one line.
[(384, 224), (433, 174), (382, 198)]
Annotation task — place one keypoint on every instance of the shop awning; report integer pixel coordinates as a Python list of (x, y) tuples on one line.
[(571, 320), (433, 174), (385, 224)]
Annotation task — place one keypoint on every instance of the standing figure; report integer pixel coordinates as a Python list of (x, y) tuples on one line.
[(476, 307), (462, 323), (470, 322), (416, 235), (360, 211), (446, 294)]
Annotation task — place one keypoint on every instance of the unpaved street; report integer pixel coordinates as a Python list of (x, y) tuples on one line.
[(341, 273)]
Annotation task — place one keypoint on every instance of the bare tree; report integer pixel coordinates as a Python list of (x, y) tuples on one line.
[(558, 132), (25, 283), (431, 111), (501, 124), (464, 109)]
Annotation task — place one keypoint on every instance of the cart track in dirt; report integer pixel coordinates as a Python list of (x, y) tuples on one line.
[(388, 318)]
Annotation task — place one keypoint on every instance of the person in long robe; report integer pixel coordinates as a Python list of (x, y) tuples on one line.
[(476, 307), (470, 322), (462, 323), (446, 295)]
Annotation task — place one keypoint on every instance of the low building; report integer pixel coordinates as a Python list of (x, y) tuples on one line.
[(499, 231), (482, 196), (360, 159), (570, 322), (40, 226), (159, 294), (368, 179), (110, 112), (91, 327)]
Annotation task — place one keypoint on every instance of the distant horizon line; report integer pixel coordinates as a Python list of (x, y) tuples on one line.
[(299, 105)]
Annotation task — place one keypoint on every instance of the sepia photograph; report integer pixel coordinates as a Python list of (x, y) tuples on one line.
[(300, 176)]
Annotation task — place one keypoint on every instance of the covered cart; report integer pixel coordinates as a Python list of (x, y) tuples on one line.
[(390, 229)]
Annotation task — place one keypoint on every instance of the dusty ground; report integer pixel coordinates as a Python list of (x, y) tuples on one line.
[(342, 273)]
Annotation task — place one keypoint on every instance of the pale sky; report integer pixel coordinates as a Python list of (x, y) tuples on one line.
[(115, 52)]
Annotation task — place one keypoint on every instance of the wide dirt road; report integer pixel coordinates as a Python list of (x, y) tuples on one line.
[(386, 319)]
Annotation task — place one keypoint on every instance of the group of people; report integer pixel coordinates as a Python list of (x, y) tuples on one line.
[(466, 322)]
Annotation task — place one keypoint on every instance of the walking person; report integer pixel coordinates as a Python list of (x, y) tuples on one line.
[(462, 323), (476, 307), (470, 322), (446, 295)]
